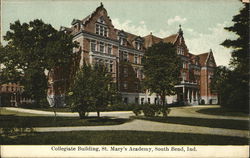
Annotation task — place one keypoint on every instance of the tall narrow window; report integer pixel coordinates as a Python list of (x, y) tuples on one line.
[(142, 100), (122, 41), (93, 45), (149, 100), (138, 45), (109, 49), (97, 29), (137, 72), (101, 47), (136, 59), (111, 66), (125, 56)]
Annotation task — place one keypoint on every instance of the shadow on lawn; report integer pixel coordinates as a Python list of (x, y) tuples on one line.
[(204, 122), (222, 112), (7, 121)]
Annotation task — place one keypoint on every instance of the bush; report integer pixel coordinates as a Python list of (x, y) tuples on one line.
[(152, 110), (137, 110), (120, 107)]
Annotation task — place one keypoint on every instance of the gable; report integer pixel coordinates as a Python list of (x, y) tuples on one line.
[(99, 16), (210, 61)]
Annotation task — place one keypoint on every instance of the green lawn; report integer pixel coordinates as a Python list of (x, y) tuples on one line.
[(122, 138), (9, 119), (10, 112), (204, 122), (222, 111)]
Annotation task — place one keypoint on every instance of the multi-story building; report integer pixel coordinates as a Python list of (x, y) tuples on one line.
[(122, 53)]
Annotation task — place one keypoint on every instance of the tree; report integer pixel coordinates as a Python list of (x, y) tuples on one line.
[(219, 80), (238, 79), (31, 49), (162, 69), (92, 89)]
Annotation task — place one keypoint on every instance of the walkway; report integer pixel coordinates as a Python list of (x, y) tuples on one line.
[(143, 125)]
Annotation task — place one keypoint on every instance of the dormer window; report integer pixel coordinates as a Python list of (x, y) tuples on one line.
[(123, 41), (122, 37), (138, 45)]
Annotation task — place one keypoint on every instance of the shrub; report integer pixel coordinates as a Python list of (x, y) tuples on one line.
[(151, 110), (137, 110), (120, 107)]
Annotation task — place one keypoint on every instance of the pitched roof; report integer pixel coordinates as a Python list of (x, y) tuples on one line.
[(203, 58), (150, 39), (87, 18), (171, 38)]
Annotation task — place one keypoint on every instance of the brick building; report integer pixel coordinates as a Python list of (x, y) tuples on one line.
[(122, 53)]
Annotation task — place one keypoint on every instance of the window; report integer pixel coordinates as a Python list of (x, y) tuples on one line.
[(136, 100), (136, 59), (180, 50), (101, 30), (111, 67), (142, 100), (125, 72), (122, 41), (138, 45), (93, 45), (185, 65), (109, 49), (183, 76), (149, 100), (125, 85), (125, 56), (142, 74), (125, 100), (101, 47), (156, 100), (137, 72)]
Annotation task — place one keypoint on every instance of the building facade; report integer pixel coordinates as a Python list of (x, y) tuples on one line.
[(122, 52)]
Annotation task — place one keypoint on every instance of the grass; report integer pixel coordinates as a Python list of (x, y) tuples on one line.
[(221, 111), (8, 121), (204, 122), (122, 138), (10, 112)]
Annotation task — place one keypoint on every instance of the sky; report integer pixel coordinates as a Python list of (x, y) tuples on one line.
[(202, 21)]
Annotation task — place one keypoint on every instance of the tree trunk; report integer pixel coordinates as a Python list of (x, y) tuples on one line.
[(163, 98), (81, 114), (98, 113), (164, 107), (54, 109)]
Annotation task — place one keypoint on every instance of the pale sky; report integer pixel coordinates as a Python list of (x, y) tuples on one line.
[(202, 21)]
